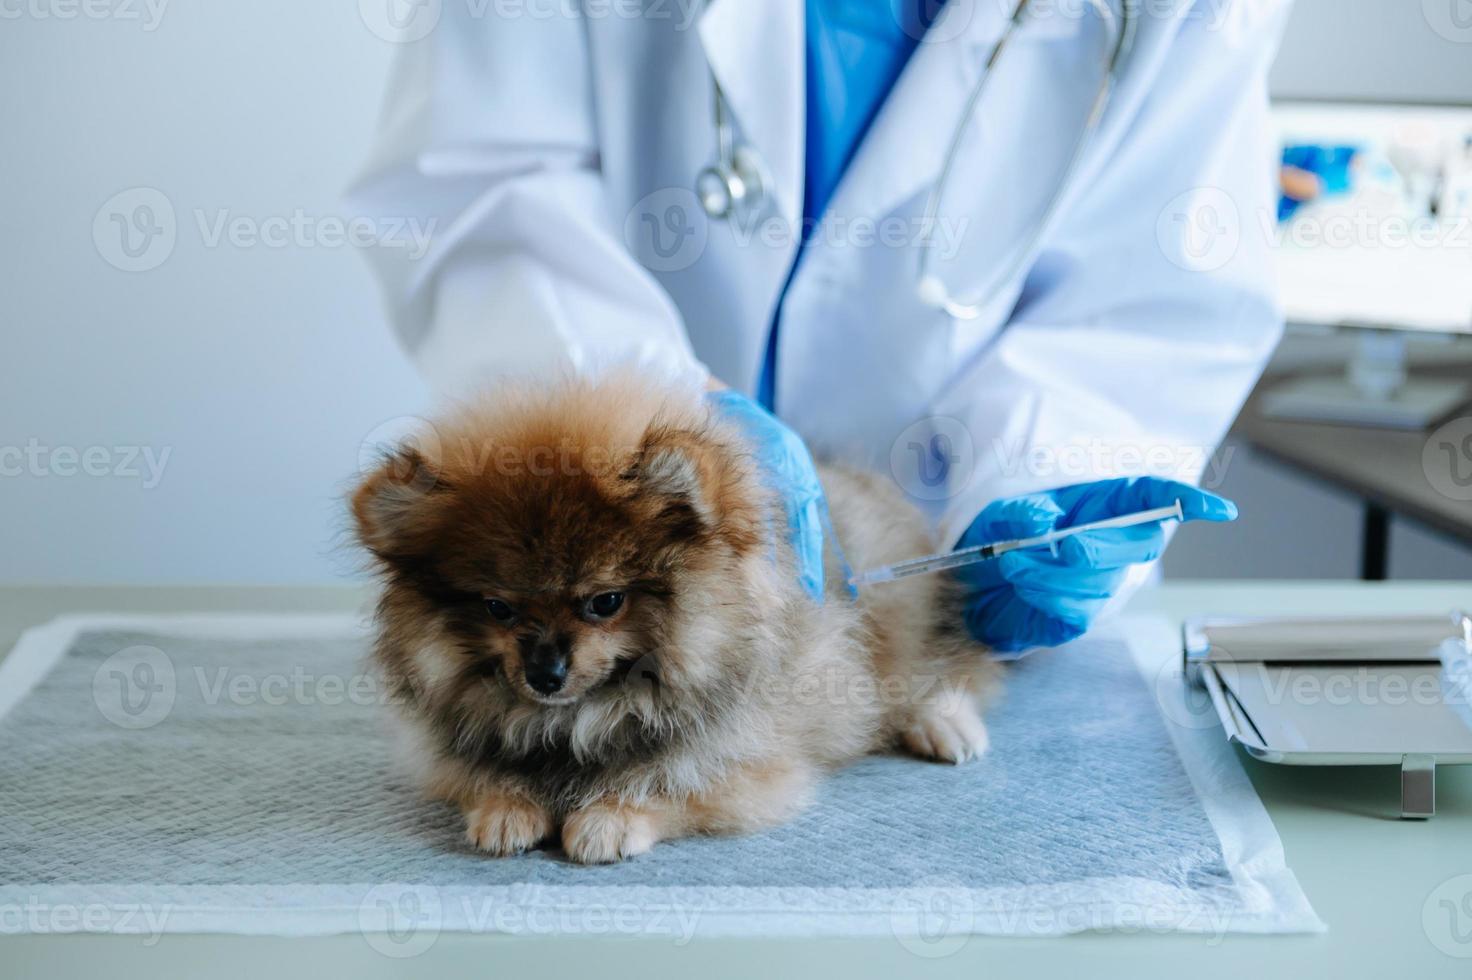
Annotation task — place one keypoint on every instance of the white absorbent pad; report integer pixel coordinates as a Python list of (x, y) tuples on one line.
[(191, 774)]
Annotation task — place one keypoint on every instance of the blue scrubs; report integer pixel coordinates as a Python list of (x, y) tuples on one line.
[(855, 52)]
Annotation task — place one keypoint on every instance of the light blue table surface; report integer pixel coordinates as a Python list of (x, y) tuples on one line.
[(1397, 895)]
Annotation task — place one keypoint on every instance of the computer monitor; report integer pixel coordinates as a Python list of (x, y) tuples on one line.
[(1374, 231)]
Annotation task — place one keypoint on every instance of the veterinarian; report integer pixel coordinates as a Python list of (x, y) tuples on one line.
[(994, 248)]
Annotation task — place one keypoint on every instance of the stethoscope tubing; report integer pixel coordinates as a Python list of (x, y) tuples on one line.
[(727, 190)]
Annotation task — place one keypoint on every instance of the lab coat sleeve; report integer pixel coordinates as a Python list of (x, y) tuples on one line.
[(488, 140), (1151, 310)]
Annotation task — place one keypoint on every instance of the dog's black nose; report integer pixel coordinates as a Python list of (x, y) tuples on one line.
[(546, 670)]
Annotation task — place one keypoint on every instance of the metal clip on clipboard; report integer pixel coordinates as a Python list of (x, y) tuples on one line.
[(1342, 692)]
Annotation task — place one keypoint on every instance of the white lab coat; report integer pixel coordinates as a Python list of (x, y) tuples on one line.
[(545, 149)]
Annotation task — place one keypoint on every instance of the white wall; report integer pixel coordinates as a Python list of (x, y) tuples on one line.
[(1388, 50), (259, 370)]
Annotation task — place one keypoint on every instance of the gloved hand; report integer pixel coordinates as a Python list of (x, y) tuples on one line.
[(1032, 598), (788, 468)]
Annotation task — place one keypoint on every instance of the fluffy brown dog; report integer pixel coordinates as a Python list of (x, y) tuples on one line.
[(588, 627)]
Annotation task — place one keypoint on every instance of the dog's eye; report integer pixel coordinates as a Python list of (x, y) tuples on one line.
[(605, 604), (500, 611)]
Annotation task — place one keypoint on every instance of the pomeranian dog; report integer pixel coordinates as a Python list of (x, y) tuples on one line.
[(592, 625)]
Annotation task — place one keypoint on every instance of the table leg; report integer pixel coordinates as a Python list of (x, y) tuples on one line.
[(1375, 544)]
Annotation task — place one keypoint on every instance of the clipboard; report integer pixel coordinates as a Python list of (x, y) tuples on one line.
[(1342, 692)]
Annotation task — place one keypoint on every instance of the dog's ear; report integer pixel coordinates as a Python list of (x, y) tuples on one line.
[(673, 468), (392, 506), (699, 484)]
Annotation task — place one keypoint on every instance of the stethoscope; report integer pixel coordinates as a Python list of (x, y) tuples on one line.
[(735, 185)]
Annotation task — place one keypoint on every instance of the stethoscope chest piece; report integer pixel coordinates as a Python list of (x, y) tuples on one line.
[(734, 186)]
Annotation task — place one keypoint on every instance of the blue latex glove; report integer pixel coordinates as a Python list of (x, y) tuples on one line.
[(788, 468), (1033, 598)]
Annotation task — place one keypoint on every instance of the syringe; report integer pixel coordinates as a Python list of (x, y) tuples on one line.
[(986, 552)]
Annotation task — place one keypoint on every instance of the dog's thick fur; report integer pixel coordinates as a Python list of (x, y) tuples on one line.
[(715, 696)]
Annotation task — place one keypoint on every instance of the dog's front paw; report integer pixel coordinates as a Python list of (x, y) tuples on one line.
[(603, 834), (505, 823), (948, 736)]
